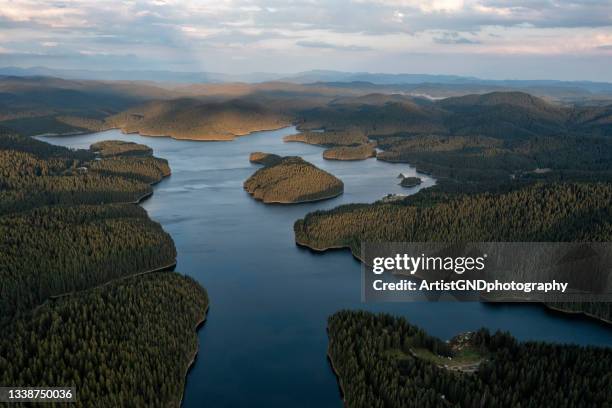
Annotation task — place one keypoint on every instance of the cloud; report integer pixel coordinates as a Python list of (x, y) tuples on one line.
[(214, 34), (325, 45), (453, 38)]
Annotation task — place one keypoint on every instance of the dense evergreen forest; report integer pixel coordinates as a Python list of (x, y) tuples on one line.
[(76, 307), (541, 212), (49, 251), (33, 174), (383, 361), (289, 180), (66, 224), (126, 344)]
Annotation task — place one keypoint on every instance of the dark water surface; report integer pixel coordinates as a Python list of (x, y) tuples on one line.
[(264, 343)]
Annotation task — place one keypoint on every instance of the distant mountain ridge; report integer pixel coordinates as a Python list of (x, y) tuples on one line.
[(307, 77)]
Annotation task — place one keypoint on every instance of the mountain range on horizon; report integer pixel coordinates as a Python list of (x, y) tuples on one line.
[(306, 77)]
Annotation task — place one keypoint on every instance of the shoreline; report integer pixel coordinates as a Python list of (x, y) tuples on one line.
[(560, 311), (336, 374), (197, 328), (294, 202), (168, 267), (576, 313), (188, 139)]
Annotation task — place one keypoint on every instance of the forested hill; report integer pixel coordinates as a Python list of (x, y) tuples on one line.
[(385, 362), (189, 118), (496, 114), (75, 257), (478, 142), (290, 180)]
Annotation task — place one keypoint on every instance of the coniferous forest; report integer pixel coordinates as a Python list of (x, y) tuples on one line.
[(383, 361), (556, 212), (78, 304), (125, 344)]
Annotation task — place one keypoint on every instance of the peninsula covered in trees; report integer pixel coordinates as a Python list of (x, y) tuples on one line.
[(350, 144), (384, 361), (290, 180), (358, 152), (558, 212), (83, 300), (329, 138)]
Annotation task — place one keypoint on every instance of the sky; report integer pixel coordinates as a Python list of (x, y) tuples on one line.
[(494, 39)]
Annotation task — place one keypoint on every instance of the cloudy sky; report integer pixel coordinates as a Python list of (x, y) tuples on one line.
[(486, 38)]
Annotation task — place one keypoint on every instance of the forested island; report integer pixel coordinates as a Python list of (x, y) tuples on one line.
[(83, 300), (410, 181), (384, 361), (290, 180)]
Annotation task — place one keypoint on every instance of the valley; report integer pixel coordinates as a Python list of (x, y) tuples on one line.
[(472, 167)]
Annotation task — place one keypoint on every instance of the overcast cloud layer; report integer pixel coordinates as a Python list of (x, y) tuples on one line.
[(486, 38)]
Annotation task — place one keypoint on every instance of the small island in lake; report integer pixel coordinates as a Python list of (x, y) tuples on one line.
[(358, 152), (290, 180), (410, 181), (264, 158)]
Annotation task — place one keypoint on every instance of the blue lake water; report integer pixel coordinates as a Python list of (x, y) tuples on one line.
[(264, 343)]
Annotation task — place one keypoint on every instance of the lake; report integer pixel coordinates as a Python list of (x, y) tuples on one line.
[(264, 343)]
